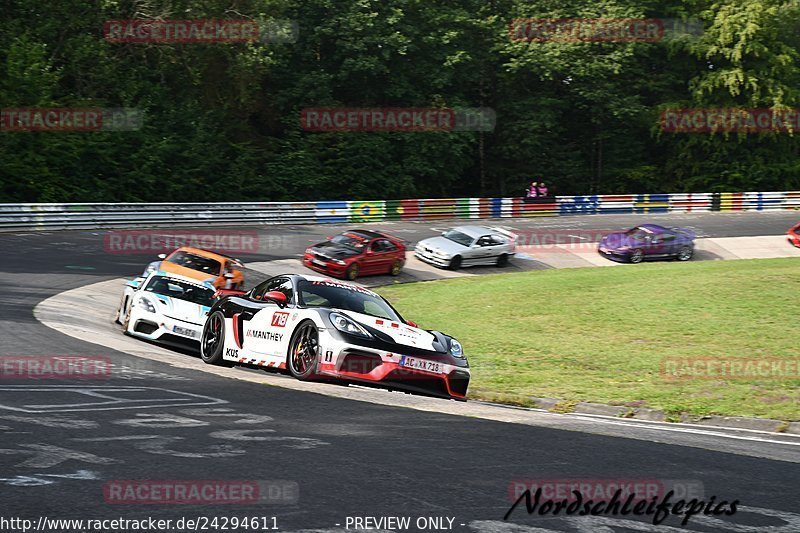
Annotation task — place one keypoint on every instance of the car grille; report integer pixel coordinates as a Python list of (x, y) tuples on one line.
[(145, 327), (417, 382), (360, 362), (459, 381)]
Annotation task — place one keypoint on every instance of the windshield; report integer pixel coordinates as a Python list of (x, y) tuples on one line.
[(350, 241), (335, 295), (180, 290), (456, 236), (196, 262), (637, 233)]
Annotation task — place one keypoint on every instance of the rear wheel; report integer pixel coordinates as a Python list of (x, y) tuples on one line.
[(212, 343), (352, 272), (304, 351), (397, 266), (502, 260), (455, 263), (636, 256), (685, 253)]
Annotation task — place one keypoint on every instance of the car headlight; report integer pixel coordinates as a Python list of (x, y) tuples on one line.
[(456, 349), (146, 304), (344, 324), (309, 251), (338, 261)]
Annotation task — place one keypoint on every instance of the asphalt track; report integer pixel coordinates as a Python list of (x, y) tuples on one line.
[(346, 457)]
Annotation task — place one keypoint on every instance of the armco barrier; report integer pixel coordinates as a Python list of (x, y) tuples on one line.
[(90, 216)]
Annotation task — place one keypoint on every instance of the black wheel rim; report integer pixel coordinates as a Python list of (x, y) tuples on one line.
[(212, 336), (304, 350)]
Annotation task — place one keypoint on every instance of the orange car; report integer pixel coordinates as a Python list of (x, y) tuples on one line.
[(794, 235), (202, 265)]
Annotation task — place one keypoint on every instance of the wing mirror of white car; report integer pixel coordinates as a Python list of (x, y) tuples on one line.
[(162, 256)]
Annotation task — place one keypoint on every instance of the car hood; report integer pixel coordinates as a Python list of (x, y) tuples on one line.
[(333, 250), (399, 332), (440, 244), (172, 268), (181, 309)]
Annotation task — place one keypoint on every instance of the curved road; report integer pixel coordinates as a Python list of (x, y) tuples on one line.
[(64, 441)]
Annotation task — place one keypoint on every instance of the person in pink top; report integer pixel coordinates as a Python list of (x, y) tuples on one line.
[(542, 189), (533, 190)]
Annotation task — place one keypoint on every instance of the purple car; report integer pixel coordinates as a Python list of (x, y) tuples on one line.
[(648, 241)]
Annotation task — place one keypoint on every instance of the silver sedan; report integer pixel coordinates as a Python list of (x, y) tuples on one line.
[(467, 245)]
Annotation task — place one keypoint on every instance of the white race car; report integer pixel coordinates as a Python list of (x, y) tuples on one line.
[(319, 328), (165, 307)]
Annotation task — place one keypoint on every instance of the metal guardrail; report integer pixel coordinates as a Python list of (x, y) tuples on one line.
[(131, 215)]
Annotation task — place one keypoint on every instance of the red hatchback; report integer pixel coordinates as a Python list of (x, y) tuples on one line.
[(353, 253), (794, 235)]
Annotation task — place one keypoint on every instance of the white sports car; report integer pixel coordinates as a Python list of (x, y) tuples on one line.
[(319, 328), (468, 245), (165, 307)]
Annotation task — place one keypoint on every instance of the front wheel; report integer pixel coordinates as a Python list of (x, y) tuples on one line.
[(685, 253), (455, 263), (636, 256), (122, 305), (212, 342), (304, 351)]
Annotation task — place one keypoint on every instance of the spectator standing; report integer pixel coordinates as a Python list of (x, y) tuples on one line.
[(542, 190)]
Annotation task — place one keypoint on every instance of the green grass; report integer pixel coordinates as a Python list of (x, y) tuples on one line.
[(600, 334)]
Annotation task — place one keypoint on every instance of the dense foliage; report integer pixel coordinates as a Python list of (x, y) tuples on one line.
[(223, 120)]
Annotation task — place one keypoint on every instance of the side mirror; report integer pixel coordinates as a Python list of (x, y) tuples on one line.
[(369, 251), (277, 297), (412, 324), (162, 256)]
